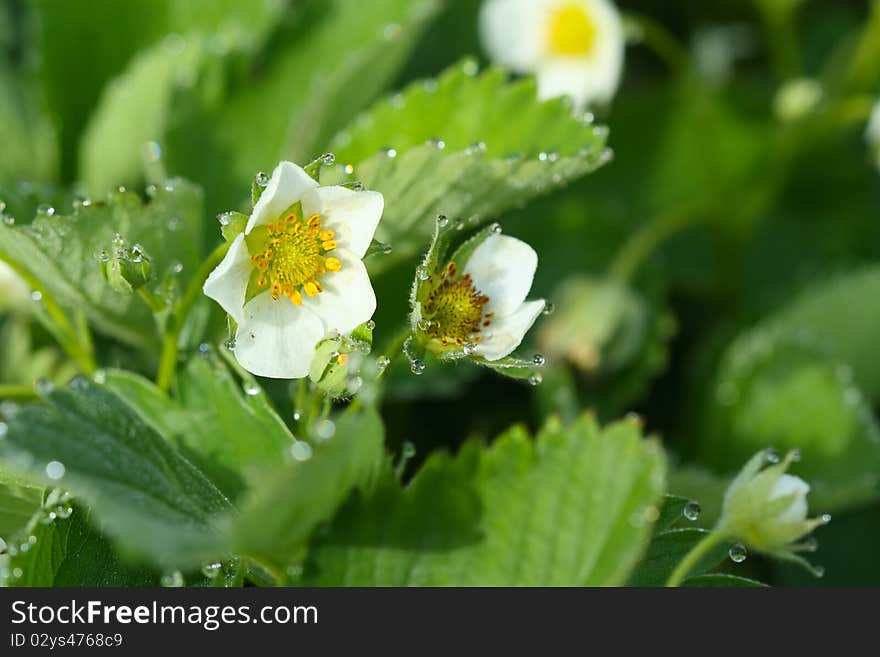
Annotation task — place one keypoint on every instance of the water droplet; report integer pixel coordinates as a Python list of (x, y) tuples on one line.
[(102, 255), (43, 387), (297, 416), (136, 253), (389, 152), (600, 132), (458, 223), (301, 450), (442, 220), (587, 118), (772, 455), (230, 344), (538, 360), (211, 570), (174, 224), (383, 362), (470, 68), (325, 429), (606, 156), (795, 455), (177, 267), (328, 159), (422, 273), (691, 511), (825, 518), (63, 512), (424, 324), (370, 325), (17, 573), (536, 379), (261, 179), (55, 469), (737, 553), (349, 169), (439, 144), (387, 248), (495, 228), (204, 348), (45, 209), (9, 220), (223, 218), (4, 429), (477, 148), (36, 295), (810, 545), (417, 366), (549, 308), (391, 31), (251, 388), (100, 376), (819, 571), (152, 152), (173, 579), (469, 348)]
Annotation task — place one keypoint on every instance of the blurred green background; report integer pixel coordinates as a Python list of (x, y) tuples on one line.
[(722, 270)]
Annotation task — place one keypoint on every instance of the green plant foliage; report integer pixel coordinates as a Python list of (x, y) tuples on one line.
[(149, 497), (70, 552), (61, 252), (458, 146), (568, 508)]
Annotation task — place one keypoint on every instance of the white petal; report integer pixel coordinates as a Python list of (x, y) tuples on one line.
[(790, 485), (872, 132), (510, 31), (277, 339), (353, 216), (506, 333), (503, 268), (592, 78), (348, 299), (227, 284), (286, 186)]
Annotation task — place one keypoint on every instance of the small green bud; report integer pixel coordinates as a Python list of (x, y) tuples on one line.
[(125, 268), (766, 509), (336, 363), (599, 324)]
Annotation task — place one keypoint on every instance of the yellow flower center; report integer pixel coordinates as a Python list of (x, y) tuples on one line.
[(454, 309), (571, 30), (290, 256)]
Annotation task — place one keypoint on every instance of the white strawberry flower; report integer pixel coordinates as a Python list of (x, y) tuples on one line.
[(478, 307), (574, 47), (295, 274)]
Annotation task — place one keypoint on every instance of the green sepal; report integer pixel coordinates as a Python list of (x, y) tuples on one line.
[(232, 224), (514, 368)]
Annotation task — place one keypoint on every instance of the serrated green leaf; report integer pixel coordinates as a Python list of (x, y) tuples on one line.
[(667, 549), (71, 552), (148, 497), (566, 509), (287, 502), (61, 252), (463, 145), (671, 512), (221, 430), (722, 580)]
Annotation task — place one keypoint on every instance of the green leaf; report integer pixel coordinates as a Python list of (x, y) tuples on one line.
[(61, 253), (223, 431), (324, 68), (568, 508), (148, 497), (671, 512), (286, 503), (722, 580), (804, 378), (667, 549), (71, 552), (18, 503), (464, 145)]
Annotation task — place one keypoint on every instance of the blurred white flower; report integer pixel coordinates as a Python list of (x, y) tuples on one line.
[(296, 273), (480, 305), (575, 47), (13, 290)]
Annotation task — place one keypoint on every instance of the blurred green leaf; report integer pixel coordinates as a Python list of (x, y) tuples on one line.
[(566, 509), (287, 502), (147, 496), (223, 431), (464, 145), (322, 69), (61, 253), (70, 552), (18, 504)]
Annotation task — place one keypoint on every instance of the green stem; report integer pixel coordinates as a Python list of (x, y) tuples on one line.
[(76, 342), (660, 40), (18, 392), (639, 247), (168, 359), (154, 302), (690, 560)]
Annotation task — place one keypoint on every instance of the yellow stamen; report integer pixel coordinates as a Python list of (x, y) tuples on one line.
[(333, 264), (571, 30), (325, 235), (329, 245)]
